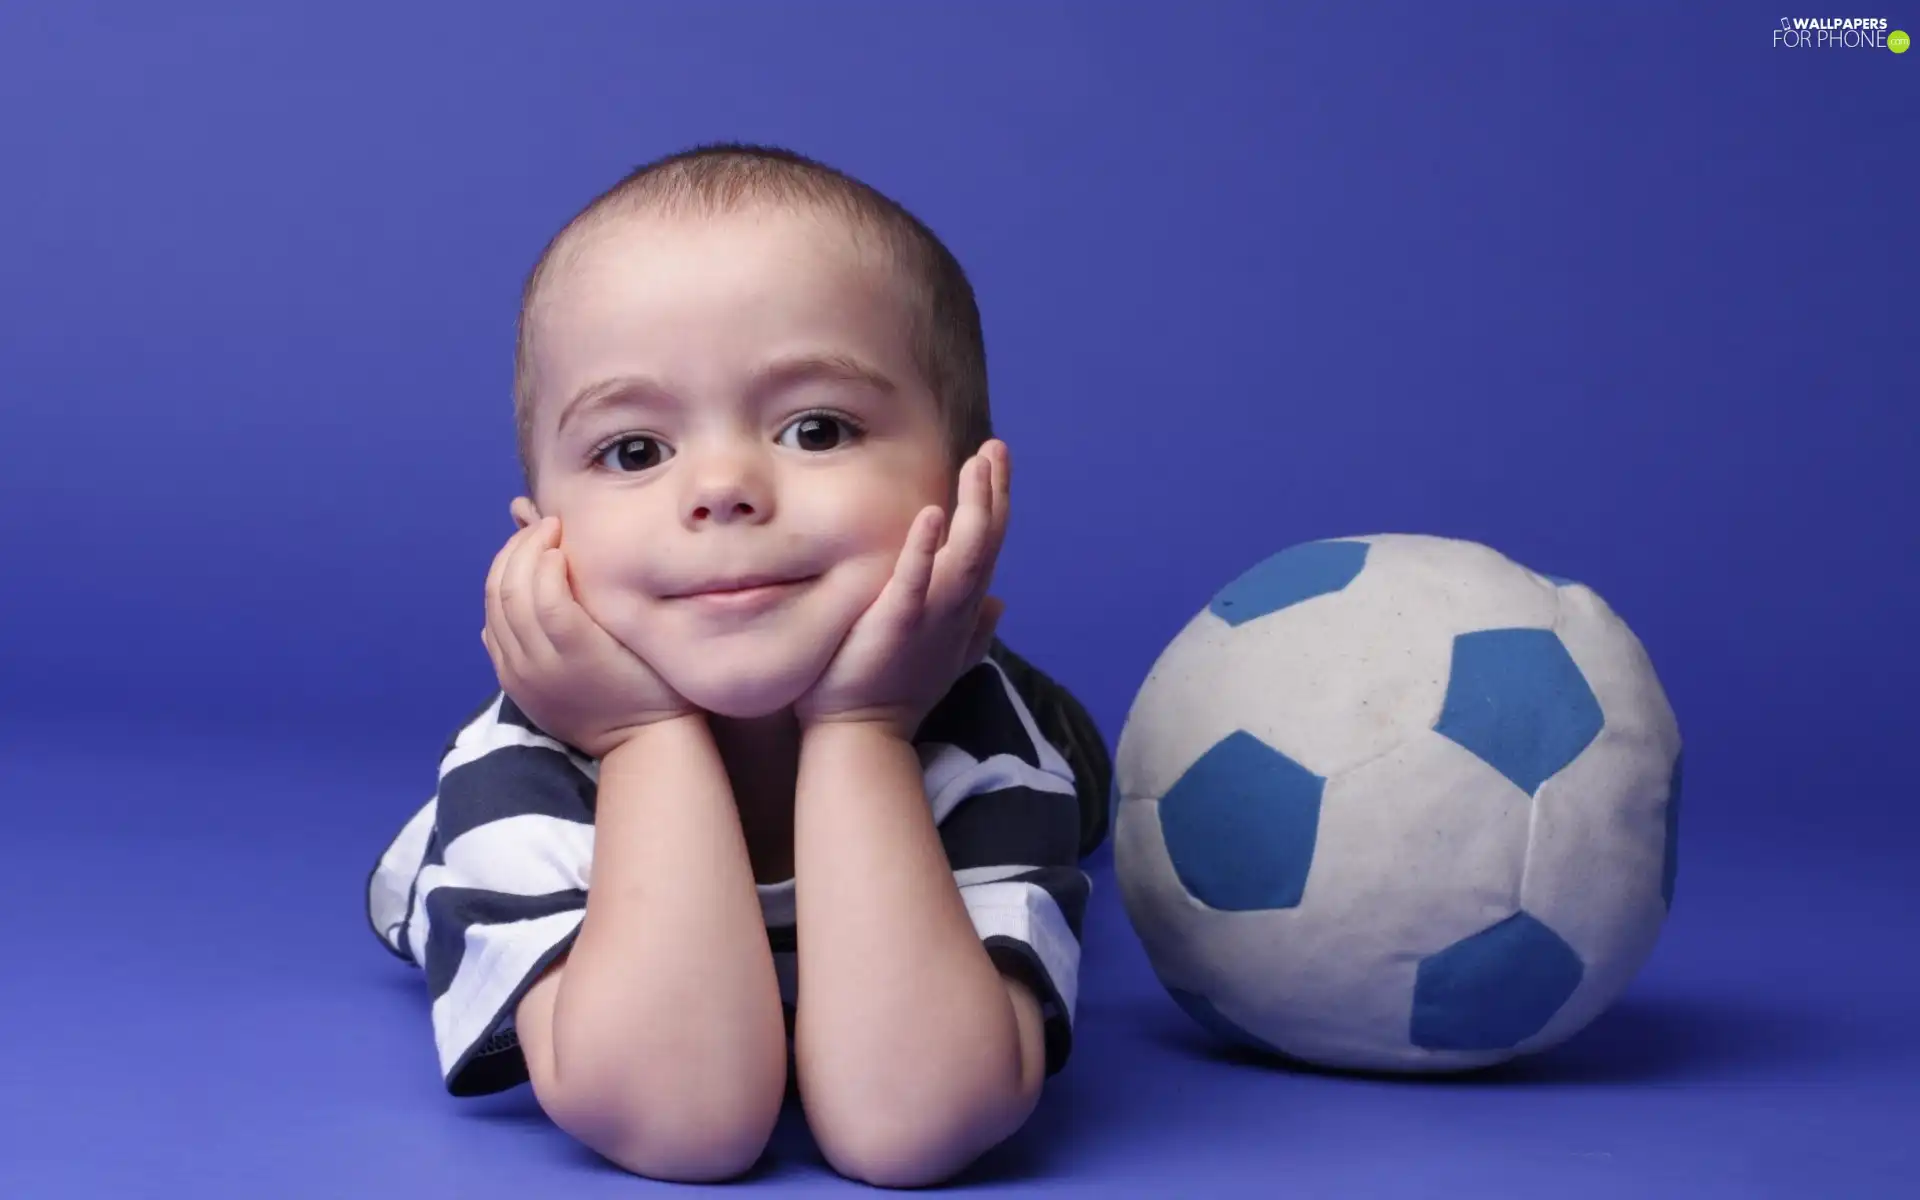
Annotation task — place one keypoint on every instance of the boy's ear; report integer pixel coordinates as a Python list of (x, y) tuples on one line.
[(524, 513)]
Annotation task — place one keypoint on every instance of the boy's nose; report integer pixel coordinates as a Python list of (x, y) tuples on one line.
[(726, 495), (722, 512)]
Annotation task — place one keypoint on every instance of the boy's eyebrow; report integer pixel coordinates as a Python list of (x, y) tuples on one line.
[(780, 373)]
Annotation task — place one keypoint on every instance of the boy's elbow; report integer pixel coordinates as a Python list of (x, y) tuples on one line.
[(681, 1139), (925, 1129), (929, 1145), (662, 1116)]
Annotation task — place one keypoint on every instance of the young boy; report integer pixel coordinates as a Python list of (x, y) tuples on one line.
[(750, 692)]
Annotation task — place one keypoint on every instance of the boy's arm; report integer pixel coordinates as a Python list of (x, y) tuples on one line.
[(914, 1053), (659, 1041)]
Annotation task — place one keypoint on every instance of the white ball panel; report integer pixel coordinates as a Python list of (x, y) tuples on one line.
[(1417, 849), (1450, 586), (1176, 930), (1593, 871), (1619, 671)]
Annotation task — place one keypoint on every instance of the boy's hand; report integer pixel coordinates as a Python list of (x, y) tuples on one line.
[(565, 671), (934, 618)]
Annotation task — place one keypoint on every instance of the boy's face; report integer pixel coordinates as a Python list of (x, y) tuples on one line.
[(727, 438)]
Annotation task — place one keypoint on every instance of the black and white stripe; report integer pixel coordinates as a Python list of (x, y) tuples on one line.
[(486, 884)]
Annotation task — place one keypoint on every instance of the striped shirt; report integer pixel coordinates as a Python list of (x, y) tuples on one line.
[(486, 885)]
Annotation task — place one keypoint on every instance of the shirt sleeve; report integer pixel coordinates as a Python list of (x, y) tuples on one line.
[(500, 889), (1004, 799), (1066, 724)]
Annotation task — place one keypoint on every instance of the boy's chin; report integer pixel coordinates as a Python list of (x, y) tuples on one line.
[(744, 691)]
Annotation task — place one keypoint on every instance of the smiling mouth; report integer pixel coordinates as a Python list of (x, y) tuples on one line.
[(742, 588), (742, 598)]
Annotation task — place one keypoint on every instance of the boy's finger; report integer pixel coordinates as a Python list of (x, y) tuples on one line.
[(994, 489), (997, 523), (553, 598), (913, 571), (959, 528), (507, 645), (516, 595), (1002, 493), (966, 542)]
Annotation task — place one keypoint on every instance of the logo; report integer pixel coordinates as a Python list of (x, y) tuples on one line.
[(1840, 33)]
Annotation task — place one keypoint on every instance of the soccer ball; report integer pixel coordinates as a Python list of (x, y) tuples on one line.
[(1397, 803)]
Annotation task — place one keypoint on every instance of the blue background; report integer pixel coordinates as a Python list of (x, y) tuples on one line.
[(1624, 292)]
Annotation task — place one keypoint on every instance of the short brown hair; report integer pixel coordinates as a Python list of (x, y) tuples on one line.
[(723, 177)]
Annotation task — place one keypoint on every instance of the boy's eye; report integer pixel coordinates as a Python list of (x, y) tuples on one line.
[(634, 454), (816, 432)]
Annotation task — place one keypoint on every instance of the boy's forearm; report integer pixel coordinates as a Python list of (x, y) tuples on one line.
[(669, 1006), (905, 1035)]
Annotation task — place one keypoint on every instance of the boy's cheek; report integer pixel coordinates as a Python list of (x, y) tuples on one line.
[(857, 582)]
